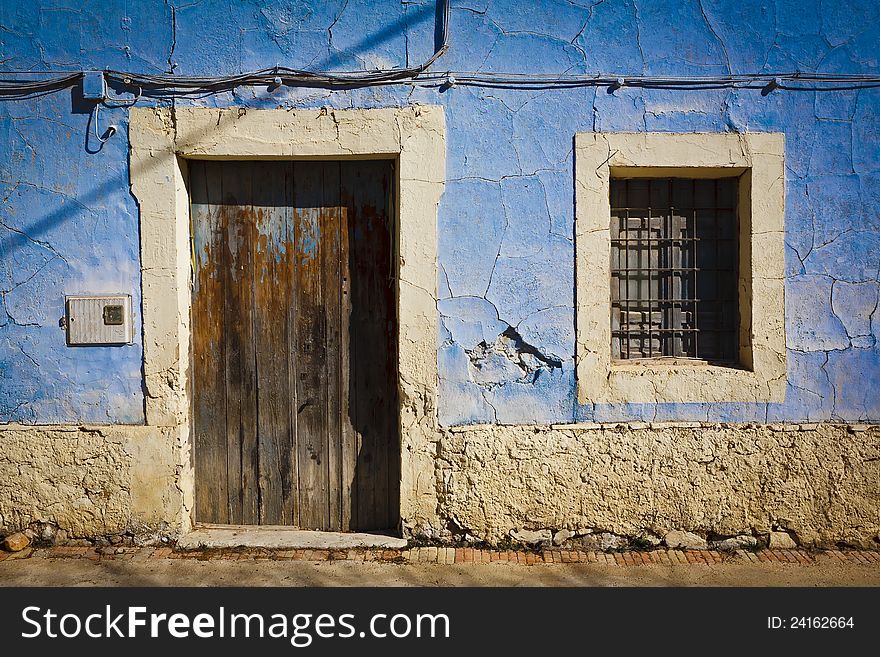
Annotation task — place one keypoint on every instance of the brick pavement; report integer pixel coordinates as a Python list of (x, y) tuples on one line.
[(461, 555)]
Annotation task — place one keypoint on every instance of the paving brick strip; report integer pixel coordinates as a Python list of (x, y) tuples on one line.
[(448, 555)]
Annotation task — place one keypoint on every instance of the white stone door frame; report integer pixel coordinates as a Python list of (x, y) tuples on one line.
[(162, 140)]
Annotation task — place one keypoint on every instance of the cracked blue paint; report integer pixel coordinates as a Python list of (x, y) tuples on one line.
[(69, 225)]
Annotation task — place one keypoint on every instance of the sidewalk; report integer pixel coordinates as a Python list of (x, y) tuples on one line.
[(433, 566)]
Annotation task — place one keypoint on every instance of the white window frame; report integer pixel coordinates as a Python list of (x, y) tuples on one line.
[(758, 160)]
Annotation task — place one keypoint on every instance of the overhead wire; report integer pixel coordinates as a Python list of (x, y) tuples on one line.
[(170, 85)]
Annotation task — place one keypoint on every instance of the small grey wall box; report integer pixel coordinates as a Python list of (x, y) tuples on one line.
[(98, 320)]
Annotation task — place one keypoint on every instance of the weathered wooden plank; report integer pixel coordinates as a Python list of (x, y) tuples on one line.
[(233, 181), (331, 255), (388, 322), (288, 345), (273, 259), (209, 398), (310, 348), (367, 188), (348, 438), (230, 191)]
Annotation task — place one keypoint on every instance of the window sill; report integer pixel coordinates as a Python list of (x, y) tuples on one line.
[(659, 364), (678, 382)]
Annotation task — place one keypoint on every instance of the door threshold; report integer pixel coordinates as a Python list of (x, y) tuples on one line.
[(204, 536)]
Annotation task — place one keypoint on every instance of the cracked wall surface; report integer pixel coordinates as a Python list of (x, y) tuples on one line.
[(69, 223), (505, 291)]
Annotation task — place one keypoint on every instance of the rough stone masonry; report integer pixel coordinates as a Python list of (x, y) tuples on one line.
[(819, 482), (509, 484)]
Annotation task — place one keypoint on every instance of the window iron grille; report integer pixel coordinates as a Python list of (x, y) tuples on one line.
[(674, 269)]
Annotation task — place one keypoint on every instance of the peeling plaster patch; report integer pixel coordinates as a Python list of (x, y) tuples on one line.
[(551, 330), (464, 401), (499, 363), (509, 358), (470, 321), (491, 373)]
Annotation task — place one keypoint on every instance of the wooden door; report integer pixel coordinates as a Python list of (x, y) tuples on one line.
[(294, 370)]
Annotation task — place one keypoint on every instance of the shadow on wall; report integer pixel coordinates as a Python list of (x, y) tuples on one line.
[(79, 106), (400, 26), (38, 229)]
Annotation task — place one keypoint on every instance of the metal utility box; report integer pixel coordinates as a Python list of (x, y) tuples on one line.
[(94, 86), (98, 320)]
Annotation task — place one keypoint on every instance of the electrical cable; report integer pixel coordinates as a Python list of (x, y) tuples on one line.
[(111, 130), (169, 85), (18, 89), (177, 86)]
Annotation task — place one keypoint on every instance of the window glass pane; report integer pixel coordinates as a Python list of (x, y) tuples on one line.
[(727, 188)]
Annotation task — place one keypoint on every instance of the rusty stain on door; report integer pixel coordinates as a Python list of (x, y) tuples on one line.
[(294, 344)]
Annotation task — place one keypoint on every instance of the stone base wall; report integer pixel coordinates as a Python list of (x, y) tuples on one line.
[(818, 482), (593, 486), (84, 482)]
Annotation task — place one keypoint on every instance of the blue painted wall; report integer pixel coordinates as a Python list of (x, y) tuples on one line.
[(68, 223)]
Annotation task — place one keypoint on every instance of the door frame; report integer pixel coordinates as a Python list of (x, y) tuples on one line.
[(161, 142)]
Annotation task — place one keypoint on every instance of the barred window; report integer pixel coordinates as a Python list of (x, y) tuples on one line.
[(674, 269)]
